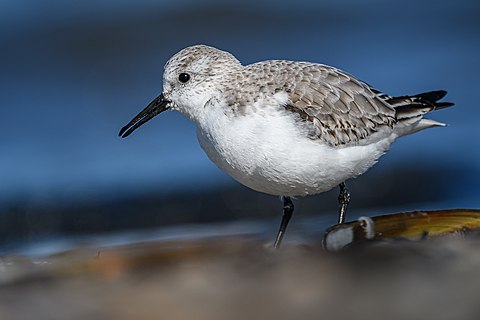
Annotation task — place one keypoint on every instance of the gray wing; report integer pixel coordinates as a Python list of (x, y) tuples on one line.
[(340, 108)]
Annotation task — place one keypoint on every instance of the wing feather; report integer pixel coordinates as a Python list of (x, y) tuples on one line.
[(338, 108), (341, 108)]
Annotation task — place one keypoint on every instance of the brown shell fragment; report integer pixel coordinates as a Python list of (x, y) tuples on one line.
[(418, 225)]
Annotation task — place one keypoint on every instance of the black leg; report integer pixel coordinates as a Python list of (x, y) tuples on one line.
[(343, 200), (287, 214)]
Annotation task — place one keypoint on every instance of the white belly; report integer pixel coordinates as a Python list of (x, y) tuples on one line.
[(271, 154)]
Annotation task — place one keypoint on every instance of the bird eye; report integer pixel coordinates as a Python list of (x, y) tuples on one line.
[(184, 77)]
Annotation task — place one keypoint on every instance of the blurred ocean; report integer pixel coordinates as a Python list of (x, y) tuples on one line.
[(73, 73)]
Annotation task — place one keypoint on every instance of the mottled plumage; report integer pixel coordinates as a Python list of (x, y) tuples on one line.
[(340, 108)]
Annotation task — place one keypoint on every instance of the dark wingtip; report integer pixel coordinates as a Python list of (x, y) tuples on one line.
[(442, 105), (432, 96), (440, 94)]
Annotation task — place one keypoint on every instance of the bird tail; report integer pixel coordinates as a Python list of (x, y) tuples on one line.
[(410, 110)]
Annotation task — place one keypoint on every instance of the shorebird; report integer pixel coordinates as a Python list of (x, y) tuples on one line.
[(286, 128)]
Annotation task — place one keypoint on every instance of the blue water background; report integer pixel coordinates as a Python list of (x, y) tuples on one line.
[(73, 73)]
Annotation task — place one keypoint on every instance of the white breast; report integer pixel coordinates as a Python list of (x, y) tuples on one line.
[(268, 151)]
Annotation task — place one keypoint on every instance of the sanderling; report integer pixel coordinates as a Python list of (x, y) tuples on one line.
[(286, 128)]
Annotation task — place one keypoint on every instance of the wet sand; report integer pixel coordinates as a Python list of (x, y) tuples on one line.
[(242, 278)]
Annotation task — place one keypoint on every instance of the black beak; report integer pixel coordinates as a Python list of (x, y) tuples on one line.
[(154, 108)]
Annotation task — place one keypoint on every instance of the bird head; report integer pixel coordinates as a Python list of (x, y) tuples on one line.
[(191, 78)]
